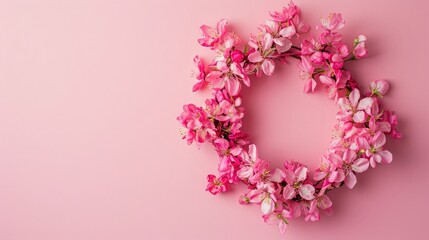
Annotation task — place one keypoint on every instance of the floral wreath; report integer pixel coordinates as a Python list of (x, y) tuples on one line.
[(358, 137)]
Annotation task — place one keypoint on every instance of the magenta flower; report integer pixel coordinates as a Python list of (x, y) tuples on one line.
[(212, 36), (392, 119), (355, 108), (199, 74), (228, 77), (286, 14), (306, 74), (296, 184), (237, 56), (216, 185), (199, 127)]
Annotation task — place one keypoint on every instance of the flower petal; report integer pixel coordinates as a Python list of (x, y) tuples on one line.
[(288, 192), (360, 165), (365, 103), (324, 202), (267, 41), (268, 66), (349, 156), (233, 86), (277, 176), (301, 174), (386, 156), (288, 31), (354, 97), (267, 206), (326, 80), (350, 180), (379, 140), (359, 117), (344, 104), (255, 57), (307, 191), (282, 226)]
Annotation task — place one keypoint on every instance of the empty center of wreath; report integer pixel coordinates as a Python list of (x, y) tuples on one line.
[(286, 124)]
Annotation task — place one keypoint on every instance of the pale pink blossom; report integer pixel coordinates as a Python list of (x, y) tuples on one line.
[(261, 52), (350, 164), (279, 218), (296, 184), (321, 201), (355, 107), (306, 74), (373, 149), (333, 21)]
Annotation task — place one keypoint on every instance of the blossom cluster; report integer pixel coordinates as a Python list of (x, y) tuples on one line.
[(359, 136)]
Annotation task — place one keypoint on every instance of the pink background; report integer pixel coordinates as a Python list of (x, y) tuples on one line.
[(89, 144)]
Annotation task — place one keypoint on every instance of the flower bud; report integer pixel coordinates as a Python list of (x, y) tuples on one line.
[(379, 87), (237, 56)]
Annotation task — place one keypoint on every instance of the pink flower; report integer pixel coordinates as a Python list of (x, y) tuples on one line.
[(336, 61), (379, 87), (374, 149), (249, 159), (295, 180), (281, 35), (355, 108), (268, 204), (350, 165), (392, 119), (237, 56), (360, 50), (306, 74), (328, 169), (199, 127), (224, 111), (314, 49), (334, 86), (229, 162), (300, 27), (322, 201), (228, 77), (333, 22), (261, 53), (200, 74), (261, 196), (279, 218), (212, 36), (216, 185), (286, 14)]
